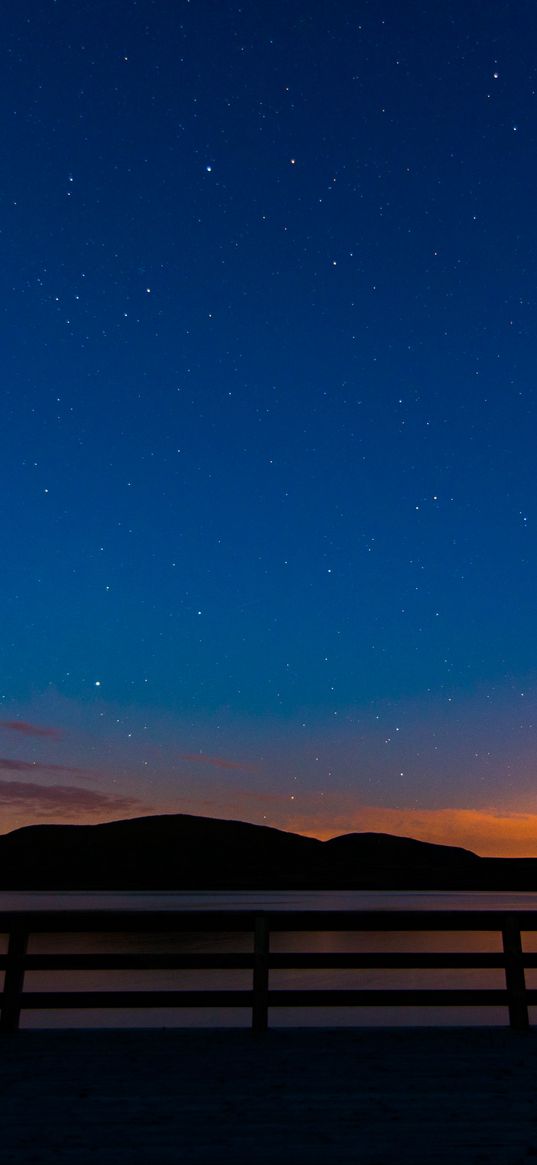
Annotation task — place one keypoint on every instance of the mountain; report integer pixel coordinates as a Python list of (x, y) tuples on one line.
[(385, 850), (159, 852), (183, 852)]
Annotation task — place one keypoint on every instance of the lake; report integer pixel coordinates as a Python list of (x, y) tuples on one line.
[(326, 941)]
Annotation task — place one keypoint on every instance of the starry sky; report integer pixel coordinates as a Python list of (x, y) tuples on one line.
[(269, 416)]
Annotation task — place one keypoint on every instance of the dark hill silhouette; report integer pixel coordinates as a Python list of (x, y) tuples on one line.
[(164, 852), (386, 850), (183, 852)]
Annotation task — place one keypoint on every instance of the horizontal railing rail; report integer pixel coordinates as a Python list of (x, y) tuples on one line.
[(19, 926)]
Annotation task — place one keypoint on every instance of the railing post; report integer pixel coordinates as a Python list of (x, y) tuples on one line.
[(13, 981), (261, 974), (514, 975)]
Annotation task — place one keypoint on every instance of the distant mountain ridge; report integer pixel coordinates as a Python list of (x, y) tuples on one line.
[(184, 852)]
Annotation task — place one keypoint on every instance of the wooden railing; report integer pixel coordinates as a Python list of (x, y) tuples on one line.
[(20, 925)]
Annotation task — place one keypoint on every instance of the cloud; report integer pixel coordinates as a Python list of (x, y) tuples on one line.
[(11, 765), (27, 729), (219, 762), (65, 801)]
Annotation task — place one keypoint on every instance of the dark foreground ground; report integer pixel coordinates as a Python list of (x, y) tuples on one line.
[(311, 1097)]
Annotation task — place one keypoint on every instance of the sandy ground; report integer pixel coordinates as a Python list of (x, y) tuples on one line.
[(370, 1097)]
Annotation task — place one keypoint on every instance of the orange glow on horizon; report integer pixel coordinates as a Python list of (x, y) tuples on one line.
[(488, 832)]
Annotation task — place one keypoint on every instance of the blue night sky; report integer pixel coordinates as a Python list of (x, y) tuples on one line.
[(269, 416)]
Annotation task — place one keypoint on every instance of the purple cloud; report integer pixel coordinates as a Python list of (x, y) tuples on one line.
[(66, 801), (219, 762), (29, 766), (27, 729)]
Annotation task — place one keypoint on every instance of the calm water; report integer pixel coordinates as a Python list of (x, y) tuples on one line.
[(278, 900)]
